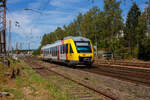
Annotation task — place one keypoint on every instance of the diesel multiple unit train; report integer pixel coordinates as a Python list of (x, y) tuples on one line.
[(73, 50)]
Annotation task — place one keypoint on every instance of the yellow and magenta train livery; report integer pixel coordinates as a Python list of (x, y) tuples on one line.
[(71, 50)]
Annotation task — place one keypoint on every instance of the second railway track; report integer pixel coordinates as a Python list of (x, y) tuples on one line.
[(126, 74)]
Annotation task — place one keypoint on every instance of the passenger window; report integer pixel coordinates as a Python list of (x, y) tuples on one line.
[(71, 51), (63, 49), (66, 48), (56, 51)]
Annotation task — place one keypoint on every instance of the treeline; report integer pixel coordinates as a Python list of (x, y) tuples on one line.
[(129, 38)]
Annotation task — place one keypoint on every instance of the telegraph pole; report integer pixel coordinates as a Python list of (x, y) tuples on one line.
[(9, 40), (16, 47), (2, 26), (20, 45)]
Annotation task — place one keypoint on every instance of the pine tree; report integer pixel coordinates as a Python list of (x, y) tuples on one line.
[(131, 25), (78, 23)]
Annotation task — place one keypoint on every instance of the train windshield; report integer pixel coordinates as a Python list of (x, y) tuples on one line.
[(83, 47)]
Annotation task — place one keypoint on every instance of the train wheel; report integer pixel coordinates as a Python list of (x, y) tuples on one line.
[(73, 66), (89, 65)]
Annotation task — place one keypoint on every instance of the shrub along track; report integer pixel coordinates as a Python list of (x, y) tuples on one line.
[(77, 91)]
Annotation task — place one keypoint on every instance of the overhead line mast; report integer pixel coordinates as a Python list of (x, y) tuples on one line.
[(2, 26)]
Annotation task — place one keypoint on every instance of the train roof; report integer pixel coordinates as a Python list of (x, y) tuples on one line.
[(77, 38), (74, 38), (51, 45)]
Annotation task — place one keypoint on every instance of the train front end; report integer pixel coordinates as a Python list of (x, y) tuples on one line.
[(80, 51), (85, 52)]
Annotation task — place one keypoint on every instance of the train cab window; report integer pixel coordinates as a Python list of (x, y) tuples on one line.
[(71, 51), (83, 46)]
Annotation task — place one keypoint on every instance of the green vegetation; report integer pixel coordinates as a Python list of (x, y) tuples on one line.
[(107, 29), (29, 85), (3, 78), (130, 29)]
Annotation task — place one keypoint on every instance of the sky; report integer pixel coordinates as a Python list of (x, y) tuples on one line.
[(28, 26)]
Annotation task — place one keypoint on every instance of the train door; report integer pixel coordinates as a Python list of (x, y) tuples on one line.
[(66, 51), (70, 52), (62, 52)]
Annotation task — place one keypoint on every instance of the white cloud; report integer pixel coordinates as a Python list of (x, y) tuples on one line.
[(36, 4), (57, 3), (44, 24), (12, 1), (62, 3), (41, 24)]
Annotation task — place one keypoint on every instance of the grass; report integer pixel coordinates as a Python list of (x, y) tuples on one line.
[(3, 78), (30, 85)]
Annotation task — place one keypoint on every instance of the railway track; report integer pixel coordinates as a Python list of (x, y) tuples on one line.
[(137, 75), (126, 74), (80, 91), (131, 74), (124, 63)]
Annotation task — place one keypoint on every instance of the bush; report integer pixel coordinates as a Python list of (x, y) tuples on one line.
[(144, 50), (36, 52)]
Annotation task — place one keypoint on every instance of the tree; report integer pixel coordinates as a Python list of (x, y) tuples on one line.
[(88, 25), (143, 30), (144, 47), (148, 18), (113, 22), (78, 23), (59, 33), (131, 25)]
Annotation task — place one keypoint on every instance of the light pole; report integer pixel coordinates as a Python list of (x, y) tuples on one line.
[(28, 9)]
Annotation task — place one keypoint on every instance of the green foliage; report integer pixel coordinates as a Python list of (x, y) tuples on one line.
[(98, 26), (107, 30), (37, 52), (131, 25), (144, 49), (113, 22)]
